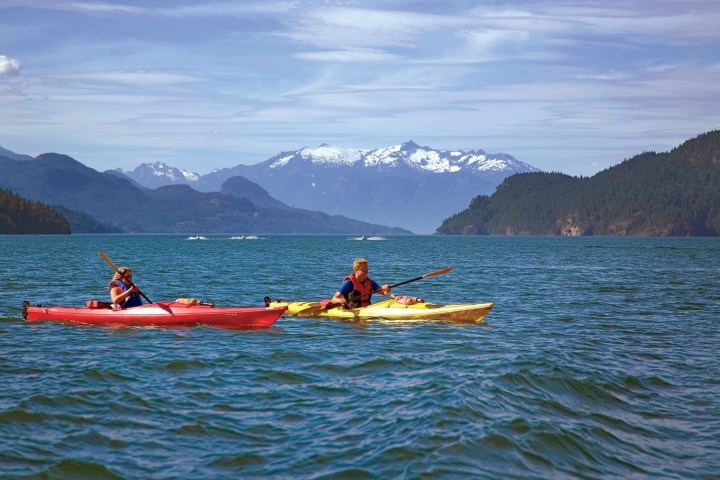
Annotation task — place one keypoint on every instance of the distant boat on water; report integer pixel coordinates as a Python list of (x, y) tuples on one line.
[(364, 237)]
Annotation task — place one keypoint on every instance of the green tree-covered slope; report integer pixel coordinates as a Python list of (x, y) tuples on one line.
[(21, 216), (675, 193)]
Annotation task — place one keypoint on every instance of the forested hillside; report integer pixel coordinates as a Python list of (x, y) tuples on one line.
[(21, 216), (676, 193)]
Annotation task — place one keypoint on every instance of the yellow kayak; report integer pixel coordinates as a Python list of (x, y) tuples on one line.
[(390, 310)]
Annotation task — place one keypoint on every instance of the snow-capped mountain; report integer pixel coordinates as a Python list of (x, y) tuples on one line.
[(424, 159), (158, 174), (403, 185)]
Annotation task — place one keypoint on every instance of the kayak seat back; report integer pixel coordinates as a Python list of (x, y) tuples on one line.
[(97, 304)]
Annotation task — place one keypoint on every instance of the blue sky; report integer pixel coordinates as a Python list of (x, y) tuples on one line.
[(567, 86)]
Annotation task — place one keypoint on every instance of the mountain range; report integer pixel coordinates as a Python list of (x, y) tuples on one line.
[(676, 193), (406, 185), (85, 196)]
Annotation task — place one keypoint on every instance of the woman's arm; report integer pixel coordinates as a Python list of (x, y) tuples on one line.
[(117, 296)]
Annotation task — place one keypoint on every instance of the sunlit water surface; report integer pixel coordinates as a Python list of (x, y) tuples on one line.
[(599, 360)]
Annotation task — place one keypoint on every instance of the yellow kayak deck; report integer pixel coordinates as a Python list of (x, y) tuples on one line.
[(391, 310)]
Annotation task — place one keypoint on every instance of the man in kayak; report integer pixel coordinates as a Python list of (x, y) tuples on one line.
[(357, 288), (122, 291)]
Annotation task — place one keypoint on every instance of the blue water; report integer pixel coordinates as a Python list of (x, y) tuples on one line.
[(599, 360)]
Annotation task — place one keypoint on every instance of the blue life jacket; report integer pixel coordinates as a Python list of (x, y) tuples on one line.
[(132, 300)]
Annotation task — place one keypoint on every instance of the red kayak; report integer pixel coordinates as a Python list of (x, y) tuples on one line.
[(167, 313)]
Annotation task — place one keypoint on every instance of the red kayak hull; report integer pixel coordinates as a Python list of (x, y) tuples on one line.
[(170, 314)]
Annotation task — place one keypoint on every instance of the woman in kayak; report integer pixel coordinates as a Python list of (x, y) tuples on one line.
[(357, 288), (122, 291)]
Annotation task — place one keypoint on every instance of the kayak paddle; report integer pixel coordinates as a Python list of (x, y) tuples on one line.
[(112, 265), (436, 273)]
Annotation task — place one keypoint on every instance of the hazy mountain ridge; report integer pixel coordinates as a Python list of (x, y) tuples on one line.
[(15, 156), (243, 188)]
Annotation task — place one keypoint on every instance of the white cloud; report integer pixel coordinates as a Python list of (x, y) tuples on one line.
[(9, 66), (488, 44)]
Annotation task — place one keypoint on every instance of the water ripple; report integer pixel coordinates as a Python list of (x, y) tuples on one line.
[(598, 361)]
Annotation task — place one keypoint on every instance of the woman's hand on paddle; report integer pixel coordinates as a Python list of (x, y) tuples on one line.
[(385, 289)]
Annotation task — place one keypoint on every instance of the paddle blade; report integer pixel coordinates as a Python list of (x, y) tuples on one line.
[(436, 273), (107, 260)]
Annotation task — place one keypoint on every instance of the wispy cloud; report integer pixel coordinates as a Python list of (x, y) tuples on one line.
[(138, 79), (351, 28), (348, 56), (73, 6), (550, 81), (224, 9)]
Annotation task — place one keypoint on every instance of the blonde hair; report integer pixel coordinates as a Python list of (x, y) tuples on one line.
[(358, 262), (123, 270)]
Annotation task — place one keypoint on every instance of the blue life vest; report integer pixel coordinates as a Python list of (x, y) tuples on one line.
[(132, 300)]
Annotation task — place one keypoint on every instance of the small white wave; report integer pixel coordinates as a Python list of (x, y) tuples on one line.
[(245, 237)]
